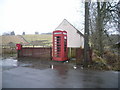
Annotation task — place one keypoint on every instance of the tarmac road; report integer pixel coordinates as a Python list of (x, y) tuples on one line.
[(57, 75)]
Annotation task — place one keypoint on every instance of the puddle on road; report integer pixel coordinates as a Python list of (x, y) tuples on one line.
[(12, 62), (8, 62)]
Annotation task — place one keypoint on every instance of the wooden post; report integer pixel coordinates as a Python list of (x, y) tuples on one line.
[(70, 52), (18, 53), (50, 53)]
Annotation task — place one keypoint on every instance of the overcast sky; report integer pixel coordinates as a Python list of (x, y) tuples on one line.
[(39, 15)]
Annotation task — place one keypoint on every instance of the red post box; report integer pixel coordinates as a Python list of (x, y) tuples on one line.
[(18, 46), (60, 51)]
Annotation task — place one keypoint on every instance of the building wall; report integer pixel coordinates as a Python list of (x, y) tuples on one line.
[(74, 39)]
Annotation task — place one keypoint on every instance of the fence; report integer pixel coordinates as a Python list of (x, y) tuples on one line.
[(80, 54), (37, 52), (46, 52)]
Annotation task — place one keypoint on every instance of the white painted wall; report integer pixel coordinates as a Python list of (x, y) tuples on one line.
[(74, 39)]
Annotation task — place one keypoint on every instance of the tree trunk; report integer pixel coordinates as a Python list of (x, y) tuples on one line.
[(100, 30)]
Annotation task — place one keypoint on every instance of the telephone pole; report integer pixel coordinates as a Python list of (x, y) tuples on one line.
[(86, 34)]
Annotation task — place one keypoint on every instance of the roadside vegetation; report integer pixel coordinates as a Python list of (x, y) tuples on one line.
[(101, 21)]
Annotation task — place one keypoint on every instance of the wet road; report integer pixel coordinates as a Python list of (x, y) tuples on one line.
[(48, 74)]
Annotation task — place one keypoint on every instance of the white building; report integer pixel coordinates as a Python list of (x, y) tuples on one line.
[(75, 38)]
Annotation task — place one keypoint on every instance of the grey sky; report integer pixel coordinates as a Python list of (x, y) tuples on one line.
[(39, 15)]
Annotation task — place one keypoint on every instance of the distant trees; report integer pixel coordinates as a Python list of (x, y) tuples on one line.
[(8, 33), (23, 33), (12, 33), (36, 33)]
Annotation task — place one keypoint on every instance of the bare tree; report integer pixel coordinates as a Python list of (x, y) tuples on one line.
[(103, 18)]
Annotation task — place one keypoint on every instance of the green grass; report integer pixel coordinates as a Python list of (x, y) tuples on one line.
[(17, 39), (5, 40), (30, 38)]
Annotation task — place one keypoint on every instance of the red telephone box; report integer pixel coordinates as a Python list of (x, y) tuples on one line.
[(60, 51), (18, 46)]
